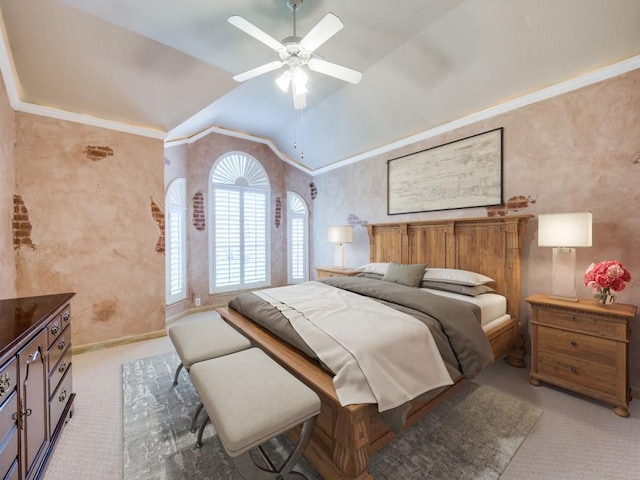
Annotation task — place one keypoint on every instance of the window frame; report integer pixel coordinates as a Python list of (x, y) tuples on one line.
[(241, 172), (176, 203), (292, 215)]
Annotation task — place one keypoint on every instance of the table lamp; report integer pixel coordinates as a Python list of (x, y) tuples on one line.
[(564, 232), (340, 235)]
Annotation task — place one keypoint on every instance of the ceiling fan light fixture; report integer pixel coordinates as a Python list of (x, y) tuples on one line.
[(299, 81), (284, 80)]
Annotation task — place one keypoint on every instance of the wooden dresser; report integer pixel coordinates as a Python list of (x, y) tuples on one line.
[(326, 272), (36, 398), (582, 346)]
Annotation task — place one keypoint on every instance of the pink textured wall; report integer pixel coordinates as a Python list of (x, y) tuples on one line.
[(576, 152), (93, 229), (201, 155), (7, 182)]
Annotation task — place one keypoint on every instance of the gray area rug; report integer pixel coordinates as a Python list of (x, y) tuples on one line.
[(473, 435)]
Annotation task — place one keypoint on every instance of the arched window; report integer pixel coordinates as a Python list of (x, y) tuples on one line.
[(239, 237), (297, 239), (176, 241)]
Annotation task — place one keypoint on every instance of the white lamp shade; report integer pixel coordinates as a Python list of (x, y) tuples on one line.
[(340, 234), (564, 229)]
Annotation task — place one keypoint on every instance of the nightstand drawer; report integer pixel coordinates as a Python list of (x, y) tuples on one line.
[(575, 371), (582, 323), (586, 347)]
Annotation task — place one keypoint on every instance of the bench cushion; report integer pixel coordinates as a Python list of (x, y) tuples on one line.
[(250, 398), (206, 339)]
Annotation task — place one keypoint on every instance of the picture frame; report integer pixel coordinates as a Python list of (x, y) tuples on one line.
[(460, 174)]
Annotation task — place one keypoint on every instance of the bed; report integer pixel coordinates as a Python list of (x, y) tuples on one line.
[(346, 436)]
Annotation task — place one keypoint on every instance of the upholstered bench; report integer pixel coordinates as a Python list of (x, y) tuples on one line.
[(251, 399), (202, 340)]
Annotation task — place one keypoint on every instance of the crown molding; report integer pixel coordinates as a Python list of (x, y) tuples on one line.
[(245, 136), (89, 120), (605, 73), (7, 67)]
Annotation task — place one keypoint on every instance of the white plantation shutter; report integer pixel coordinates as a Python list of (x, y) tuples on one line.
[(240, 235), (176, 241), (227, 237), (298, 238)]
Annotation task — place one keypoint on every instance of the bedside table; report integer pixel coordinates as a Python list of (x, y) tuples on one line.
[(582, 346), (326, 272)]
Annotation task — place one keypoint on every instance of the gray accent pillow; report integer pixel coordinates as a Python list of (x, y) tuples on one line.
[(456, 288), (405, 274)]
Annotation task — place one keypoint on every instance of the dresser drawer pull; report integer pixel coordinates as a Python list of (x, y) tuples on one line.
[(55, 328), (66, 316), (22, 412), (5, 383), (63, 395), (574, 370), (62, 367), (574, 343), (61, 345)]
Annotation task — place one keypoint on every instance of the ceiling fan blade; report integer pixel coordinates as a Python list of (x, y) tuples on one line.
[(323, 31), (334, 70), (254, 72), (255, 32), (299, 101)]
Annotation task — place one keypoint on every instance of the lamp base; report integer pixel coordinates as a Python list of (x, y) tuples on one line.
[(563, 284)]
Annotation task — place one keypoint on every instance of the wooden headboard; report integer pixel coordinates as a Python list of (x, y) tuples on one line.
[(489, 245)]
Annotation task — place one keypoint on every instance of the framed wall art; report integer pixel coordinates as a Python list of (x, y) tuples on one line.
[(460, 174)]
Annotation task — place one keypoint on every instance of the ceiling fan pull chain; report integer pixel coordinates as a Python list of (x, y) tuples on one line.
[(302, 134)]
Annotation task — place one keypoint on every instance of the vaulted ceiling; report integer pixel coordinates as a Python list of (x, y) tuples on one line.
[(166, 67)]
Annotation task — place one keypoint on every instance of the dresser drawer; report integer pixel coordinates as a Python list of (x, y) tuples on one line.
[(582, 323), (8, 379), (586, 347), (8, 417), (9, 455), (59, 347), (578, 372), (58, 324), (59, 370), (59, 400)]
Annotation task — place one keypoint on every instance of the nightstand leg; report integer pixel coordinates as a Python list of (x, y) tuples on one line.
[(535, 382), (621, 411)]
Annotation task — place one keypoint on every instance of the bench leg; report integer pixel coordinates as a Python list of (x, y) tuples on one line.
[(175, 378), (196, 414), (201, 431), (250, 471)]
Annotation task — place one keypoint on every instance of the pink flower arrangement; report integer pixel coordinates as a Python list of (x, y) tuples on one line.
[(604, 277)]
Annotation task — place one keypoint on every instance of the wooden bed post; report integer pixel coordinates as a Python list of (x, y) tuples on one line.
[(351, 441), (514, 232)]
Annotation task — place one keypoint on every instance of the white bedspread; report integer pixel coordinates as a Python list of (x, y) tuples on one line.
[(378, 355)]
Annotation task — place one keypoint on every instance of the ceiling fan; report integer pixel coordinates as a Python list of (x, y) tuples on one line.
[(295, 53)]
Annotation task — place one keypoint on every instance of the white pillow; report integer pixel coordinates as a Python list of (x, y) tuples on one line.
[(459, 277), (379, 268)]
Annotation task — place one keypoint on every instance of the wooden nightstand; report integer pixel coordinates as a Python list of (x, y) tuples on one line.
[(582, 346), (326, 272)]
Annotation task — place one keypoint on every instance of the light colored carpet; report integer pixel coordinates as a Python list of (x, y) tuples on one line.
[(575, 439), (473, 435)]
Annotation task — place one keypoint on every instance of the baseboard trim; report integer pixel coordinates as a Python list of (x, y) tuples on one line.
[(635, 391), (117, 341), (189, 311), (143, 336)]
